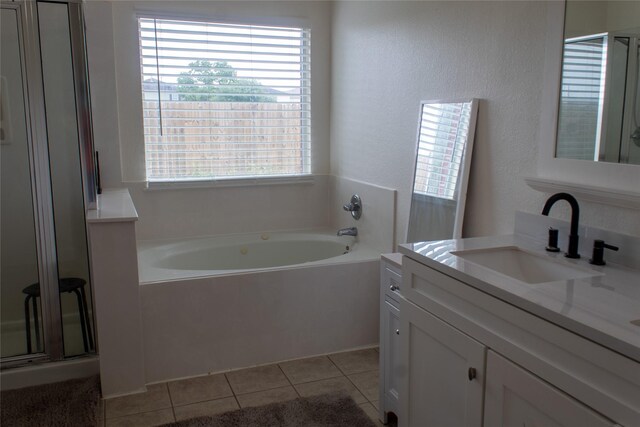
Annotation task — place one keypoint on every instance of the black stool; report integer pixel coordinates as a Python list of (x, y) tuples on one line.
[(69, 284)]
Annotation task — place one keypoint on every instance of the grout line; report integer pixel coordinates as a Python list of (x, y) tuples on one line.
[(360, 390), (285, 374), (137, 413), (258, 391), (336, 365), (173, 409), (233, 392), (290, 382)]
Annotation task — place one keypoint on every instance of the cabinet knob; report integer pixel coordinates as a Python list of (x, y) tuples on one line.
[(472, 374), (397, 331), (394, 288)]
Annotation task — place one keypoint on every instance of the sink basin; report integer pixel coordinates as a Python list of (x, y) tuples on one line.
[(522, 265)]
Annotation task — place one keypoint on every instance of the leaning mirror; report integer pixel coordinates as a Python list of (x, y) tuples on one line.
[(443, 160), (599, 115)]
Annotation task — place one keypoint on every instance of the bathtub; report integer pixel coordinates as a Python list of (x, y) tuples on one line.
[(239, 254), (219, 303)]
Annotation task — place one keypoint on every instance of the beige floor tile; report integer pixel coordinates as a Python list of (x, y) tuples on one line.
[(257, 379), (281, 394), (372, 413), (353, 362), (311, 369), (210, 407), (367, 383), (199, 389), (156, 397), (146, 419), (376, 404), (328, 386)]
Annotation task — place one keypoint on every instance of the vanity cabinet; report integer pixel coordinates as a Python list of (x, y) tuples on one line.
[(391, 369), (445, 372), (515, 397), (472, 359)]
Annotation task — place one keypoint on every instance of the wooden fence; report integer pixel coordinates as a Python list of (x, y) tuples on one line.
[(191, 139)]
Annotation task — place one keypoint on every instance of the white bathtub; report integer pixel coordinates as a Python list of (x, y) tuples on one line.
[(238, 254), (213, 304)]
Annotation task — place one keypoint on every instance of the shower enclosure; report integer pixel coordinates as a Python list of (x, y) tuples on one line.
[(47, 183)]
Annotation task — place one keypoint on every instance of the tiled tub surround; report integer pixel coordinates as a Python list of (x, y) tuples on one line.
[(355, 372), (209, 324)]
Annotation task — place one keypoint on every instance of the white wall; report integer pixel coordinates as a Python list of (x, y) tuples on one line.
[(116, 96), (599, 16), (387, 56), (379, 59)]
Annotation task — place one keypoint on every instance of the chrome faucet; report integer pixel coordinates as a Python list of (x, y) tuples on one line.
[(572, 250), (354, 206), (349, 231)]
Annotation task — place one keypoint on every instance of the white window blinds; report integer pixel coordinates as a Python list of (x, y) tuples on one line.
[(224, 101), (442, 136), (581, 97)]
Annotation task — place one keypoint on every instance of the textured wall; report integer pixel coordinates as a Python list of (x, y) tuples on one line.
[(116, 96), (387, 56)]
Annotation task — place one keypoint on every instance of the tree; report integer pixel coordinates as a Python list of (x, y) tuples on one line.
[(218, 82)]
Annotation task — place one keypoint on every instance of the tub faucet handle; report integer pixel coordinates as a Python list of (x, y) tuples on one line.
[(354, 206)]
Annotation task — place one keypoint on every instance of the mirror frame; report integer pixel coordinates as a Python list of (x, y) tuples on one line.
[(465, 167), (601, 182)]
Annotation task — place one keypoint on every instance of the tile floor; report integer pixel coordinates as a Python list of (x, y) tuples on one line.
[(355, 372)]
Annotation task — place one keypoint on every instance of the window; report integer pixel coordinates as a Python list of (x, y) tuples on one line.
[(223, 100), (441, 143), (581, 97)]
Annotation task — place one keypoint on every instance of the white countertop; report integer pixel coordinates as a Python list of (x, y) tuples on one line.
[(394, 258), (600, 308), (114, 205)]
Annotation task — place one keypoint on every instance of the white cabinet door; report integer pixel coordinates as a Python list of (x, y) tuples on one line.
[(515, 397), (391, 369), (444, 383)]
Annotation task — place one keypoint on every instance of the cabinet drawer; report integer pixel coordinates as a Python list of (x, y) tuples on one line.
[(391, 283)]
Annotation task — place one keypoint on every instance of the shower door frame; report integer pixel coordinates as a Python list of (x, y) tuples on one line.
[(37, 144)]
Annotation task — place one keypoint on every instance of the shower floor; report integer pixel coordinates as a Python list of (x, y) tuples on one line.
[(14, 341)]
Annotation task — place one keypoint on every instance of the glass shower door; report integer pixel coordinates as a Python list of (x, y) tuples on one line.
[(21, 316), (63, 137), (45, 284)]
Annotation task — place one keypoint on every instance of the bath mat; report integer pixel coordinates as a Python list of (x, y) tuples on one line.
[(328, 410), (68, 403)]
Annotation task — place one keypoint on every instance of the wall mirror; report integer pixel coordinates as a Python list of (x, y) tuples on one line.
[(599, 115), (443, 160)]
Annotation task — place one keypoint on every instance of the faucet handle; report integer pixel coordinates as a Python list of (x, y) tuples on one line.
[(552, 244), (598, 252), (354, 206)]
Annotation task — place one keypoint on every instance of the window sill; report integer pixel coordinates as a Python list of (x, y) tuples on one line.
[(230, 182)]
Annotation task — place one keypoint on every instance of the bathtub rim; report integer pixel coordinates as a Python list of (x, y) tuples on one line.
[(360, 253)]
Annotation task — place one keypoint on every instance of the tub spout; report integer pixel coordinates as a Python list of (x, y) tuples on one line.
[(349, 231)]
